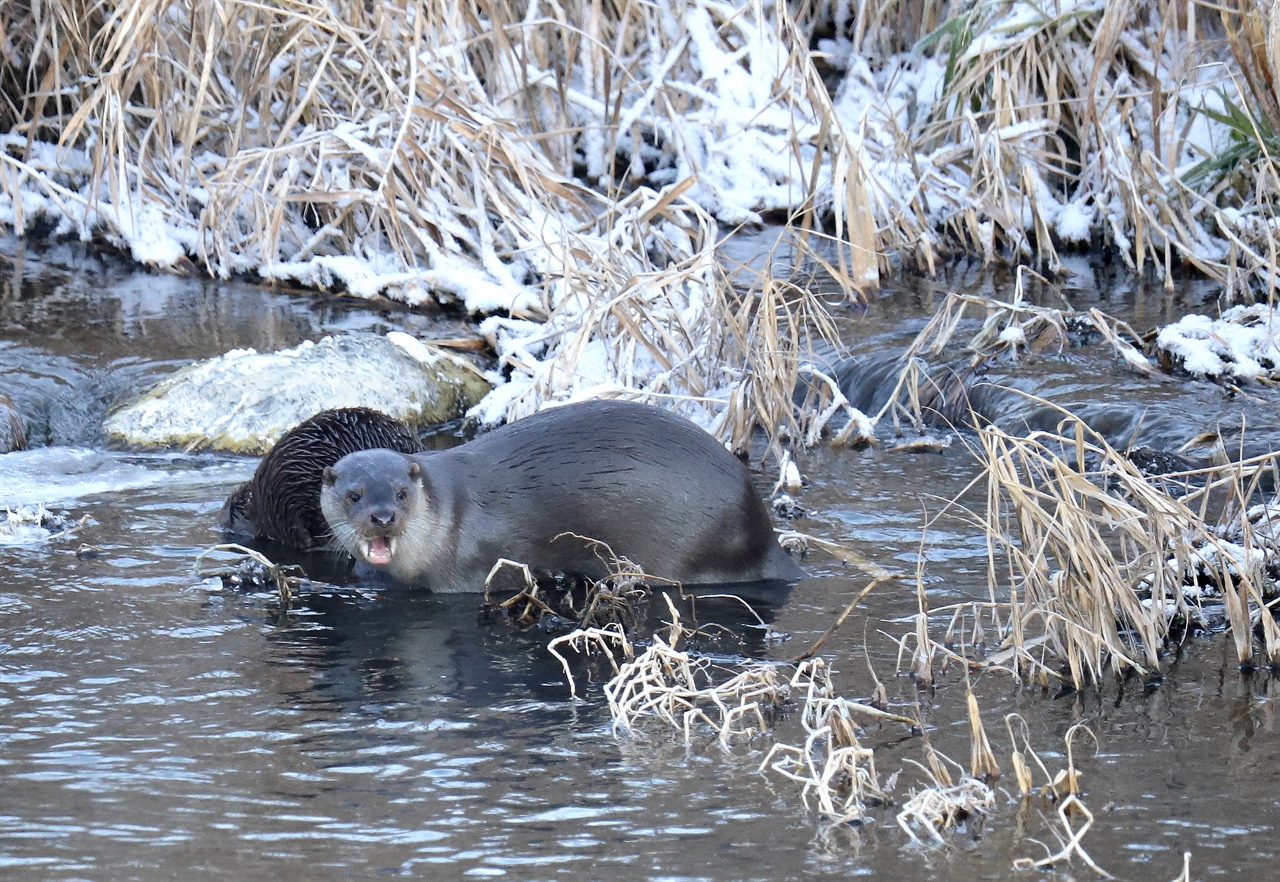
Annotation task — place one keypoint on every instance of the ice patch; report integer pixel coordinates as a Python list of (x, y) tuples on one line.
[(63, 475)]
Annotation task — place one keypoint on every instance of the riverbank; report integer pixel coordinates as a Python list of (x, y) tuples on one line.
[(574, 168)]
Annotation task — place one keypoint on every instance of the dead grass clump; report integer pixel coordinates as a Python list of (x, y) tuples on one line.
[(664, 324), (1014, 132), (1080, 551), (604, 641), (1100, 563), (945, 802), (525, 604), (674, 687), (614, 604), (838, 772)]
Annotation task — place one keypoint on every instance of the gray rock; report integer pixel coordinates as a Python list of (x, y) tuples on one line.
[(244, 401)]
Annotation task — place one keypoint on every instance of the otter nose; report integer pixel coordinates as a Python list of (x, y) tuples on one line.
[(382, 518)]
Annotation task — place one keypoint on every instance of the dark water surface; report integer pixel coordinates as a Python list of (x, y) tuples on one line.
[(153, 727)]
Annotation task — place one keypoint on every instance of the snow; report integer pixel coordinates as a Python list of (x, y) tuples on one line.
[(243, 401), (750, 138), (150, 238), (1013, 336), (1243, 345), (1076, 222), (414, 347)]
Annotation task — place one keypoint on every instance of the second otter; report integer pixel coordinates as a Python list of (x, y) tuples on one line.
[(281, 502), (650, 485)]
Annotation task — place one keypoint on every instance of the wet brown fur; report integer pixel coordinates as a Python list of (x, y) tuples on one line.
[(281, 501)]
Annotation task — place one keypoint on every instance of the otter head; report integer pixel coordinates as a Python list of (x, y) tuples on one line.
[(369, 499)]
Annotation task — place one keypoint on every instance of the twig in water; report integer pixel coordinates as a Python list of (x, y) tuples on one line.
[(285, 578), (812, 650)]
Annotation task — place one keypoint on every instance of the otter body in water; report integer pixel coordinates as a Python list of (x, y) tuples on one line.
[(282, 499), (652, 486)]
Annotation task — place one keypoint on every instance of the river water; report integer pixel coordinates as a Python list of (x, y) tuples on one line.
[(153, 726)]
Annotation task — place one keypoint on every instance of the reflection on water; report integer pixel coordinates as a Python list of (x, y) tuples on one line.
[(152, 727)]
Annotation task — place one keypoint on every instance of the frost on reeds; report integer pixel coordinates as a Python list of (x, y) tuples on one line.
[(677, 689), (447, 151), (951, 796), (569, 162), (1097, 564), (1082, 122), (456, 148), (663, 327), (238, 568), (674, 689)]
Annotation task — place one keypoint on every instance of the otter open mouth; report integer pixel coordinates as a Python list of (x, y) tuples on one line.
[(377, 550)]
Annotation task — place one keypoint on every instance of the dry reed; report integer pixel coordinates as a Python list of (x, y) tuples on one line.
[(443, 151), (246, 569), (568, 163), (1098, 563), (679, 689), (290, 131), (838, 772)]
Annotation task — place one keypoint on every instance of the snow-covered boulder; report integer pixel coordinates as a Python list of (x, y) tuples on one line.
[(244, 401)]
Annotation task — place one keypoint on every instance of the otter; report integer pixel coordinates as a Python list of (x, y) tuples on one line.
[(281, 502), (650, 485)]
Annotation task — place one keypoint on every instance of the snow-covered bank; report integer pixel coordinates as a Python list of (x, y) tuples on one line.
[(569, 172), (1244, 344)]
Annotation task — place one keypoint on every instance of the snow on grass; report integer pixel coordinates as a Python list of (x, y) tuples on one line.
[(1076, 222), (424, 160)]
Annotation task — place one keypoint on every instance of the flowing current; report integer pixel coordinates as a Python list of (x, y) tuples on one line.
[(154, 725)]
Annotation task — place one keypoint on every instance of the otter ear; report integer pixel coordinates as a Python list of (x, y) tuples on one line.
[(415, 471), (328, 476)]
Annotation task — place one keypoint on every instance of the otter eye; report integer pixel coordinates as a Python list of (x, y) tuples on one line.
[(353, 497), (402, 495)]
